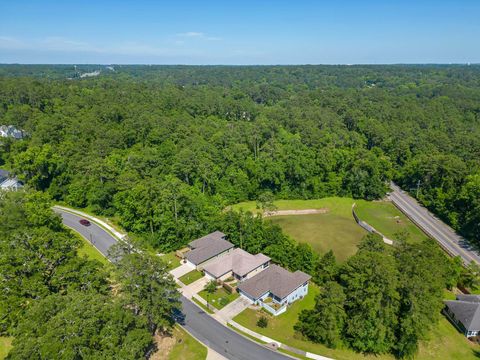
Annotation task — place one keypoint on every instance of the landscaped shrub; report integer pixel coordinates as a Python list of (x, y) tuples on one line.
[(228, 288), (262, 322)]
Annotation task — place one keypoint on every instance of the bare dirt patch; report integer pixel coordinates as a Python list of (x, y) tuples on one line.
[(295, 212), (164, 344)]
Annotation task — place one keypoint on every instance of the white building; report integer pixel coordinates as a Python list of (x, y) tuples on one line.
[(8, 182)]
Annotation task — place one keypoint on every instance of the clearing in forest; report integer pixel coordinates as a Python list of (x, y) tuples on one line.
[(329, 224)]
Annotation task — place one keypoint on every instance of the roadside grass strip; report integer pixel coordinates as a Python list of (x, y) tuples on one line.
[(196, 301)]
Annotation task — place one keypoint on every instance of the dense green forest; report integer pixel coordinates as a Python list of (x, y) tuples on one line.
[(59, 305), (165, 147), (164, 150)]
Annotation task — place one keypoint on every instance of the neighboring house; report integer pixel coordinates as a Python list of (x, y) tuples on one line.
[(465, 313), (274, 288), (8, 182), (10, 131), (207, 248), (238, 264)]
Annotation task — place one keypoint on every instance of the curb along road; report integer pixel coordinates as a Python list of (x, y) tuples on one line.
[(200, 325)]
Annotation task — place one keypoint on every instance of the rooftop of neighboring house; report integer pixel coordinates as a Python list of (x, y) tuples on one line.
[(10, 131), (10, 183), (466, 310), (4, 174), (238, 261), (274, 279), (208, 247)]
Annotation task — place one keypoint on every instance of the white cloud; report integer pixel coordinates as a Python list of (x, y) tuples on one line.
[(191, 34), (198, 35)]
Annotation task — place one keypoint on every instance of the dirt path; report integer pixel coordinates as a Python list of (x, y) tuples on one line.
[(295, 212)]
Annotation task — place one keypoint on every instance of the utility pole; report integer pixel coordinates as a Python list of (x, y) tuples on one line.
[(418, 186)]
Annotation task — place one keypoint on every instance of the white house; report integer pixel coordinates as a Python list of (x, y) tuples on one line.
[(275, 288), (8, 182), (10, 131)]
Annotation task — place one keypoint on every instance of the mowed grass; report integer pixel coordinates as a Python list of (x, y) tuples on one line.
[(186, 347), (444, 341), (336, 229), (171, 260), (190, 277), (5, 346), (323, 232), (220, 298), (387, 219)]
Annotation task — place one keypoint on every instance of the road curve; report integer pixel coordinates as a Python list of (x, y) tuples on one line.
[(95, 234), (206, 329), (448, 239)]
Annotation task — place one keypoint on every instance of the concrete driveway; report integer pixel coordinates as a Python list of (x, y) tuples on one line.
[(181, 270), (227, 313), (194, 288)]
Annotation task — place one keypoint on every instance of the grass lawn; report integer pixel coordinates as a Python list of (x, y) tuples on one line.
[(190, 277), (186, 347), (171, 260), (220, 298), (336, 229), (445, 341), (387, 219), (204, 307), (5, 346), (323, 232)]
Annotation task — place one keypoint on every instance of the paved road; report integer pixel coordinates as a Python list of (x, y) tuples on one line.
[(213, 334), (99, 237), (451, 242), (221, 339)]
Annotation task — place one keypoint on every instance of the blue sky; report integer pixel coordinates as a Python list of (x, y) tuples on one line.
[(240, 32)]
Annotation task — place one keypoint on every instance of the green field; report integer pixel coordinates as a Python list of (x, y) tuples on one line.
[(336, 229), (387, 219), (190, 277), (5, 346), (220, 298), (186, 347), (323, 232), (445, 342)]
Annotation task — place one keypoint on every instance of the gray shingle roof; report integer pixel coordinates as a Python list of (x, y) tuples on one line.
[(274, 279), (467, 312), (4, 174), (468, 297), (208, 247), (238, 261)]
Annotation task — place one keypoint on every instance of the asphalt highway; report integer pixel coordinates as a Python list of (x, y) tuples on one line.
[(450, 241), (207, 330)]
